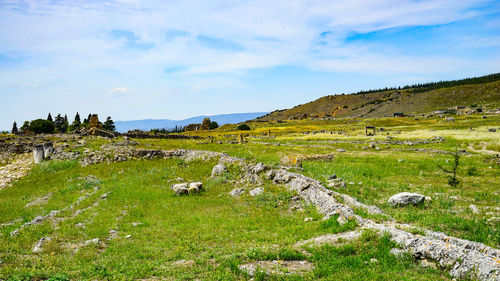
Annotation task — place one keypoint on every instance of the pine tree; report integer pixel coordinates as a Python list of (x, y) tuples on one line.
[(76, 123), (14, 128), (50, 118), (65, 124), (109, 125), (59, 124)]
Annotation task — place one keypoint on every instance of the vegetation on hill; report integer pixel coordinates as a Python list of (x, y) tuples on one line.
[(477, 93)]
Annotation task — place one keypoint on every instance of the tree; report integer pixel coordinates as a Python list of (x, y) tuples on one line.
[(243, 127), (109, 125), (77, 122), (41, 126), (14, 128), (25, 127), (60, 125), (49, 118), (213, 125)]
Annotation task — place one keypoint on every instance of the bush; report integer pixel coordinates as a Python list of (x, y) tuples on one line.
[(41, 126), (243, 127), (213, 125)]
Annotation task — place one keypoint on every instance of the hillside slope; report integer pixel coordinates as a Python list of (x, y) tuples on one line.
[(410, 100)]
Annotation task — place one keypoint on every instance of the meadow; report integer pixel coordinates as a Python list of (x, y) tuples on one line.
[(130, 225)]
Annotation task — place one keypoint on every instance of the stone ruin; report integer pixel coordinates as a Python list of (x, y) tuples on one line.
[(205, 126), (42, 152)]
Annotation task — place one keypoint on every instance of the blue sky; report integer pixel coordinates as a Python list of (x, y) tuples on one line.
[(176, 59)]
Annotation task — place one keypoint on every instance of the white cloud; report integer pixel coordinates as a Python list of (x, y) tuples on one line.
[(67, 45), (119, 90)]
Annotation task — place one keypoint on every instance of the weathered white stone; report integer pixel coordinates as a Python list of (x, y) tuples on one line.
[(237, 192), (195, 187), (406, 198), (39, 245), (474, 209), (219, 170), (256, 191), (180, 188)]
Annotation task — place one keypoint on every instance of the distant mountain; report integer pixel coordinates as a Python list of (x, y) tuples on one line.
[(148, 124), (410, 100)]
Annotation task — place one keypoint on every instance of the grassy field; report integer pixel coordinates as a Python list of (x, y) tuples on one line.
[(146, 232)]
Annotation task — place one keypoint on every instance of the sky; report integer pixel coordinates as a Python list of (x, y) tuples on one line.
[(133, 59)]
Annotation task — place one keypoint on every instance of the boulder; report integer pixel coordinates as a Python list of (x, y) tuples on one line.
[(195, 187), (237, 192), (219, 170), (180, 188), (256, 191), (406, 198)]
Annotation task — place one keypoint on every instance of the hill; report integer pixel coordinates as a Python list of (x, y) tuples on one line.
[(148, 124), (410, 100)]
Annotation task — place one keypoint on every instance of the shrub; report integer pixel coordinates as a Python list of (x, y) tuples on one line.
[(243, 127), (41, 126)]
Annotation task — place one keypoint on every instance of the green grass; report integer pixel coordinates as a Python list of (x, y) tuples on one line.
[(219, 232)]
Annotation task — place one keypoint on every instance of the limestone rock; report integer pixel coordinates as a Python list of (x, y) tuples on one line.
[(277, 267), (39, 245), (237, 192), (219, 170), (256, 191), (474, 209), (406, 198), (180, 188), (195, 187)]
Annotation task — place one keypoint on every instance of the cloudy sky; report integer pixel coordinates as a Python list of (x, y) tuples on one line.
[(135, 59)]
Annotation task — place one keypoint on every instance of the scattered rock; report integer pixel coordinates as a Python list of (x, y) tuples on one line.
[(219, 170), (398, 252), (330, 239), (91, 241), (128, 236), (183, 263), (39, 245), (332, 177), (256, 191), (195, 188), (474, 209), (277, 267), (406, 198), (39, 201), (308, 219), (237, 192), (257, 168), (340, 150), (180, 188)]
